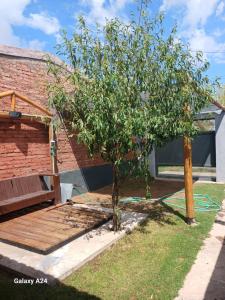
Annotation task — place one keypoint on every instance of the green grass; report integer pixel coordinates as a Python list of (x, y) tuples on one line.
[(149, 263)]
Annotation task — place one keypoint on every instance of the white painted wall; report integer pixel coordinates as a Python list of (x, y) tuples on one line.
[(220, 147), (152, 166)]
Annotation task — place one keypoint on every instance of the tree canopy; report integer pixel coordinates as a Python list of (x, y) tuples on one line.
[(131, 86)]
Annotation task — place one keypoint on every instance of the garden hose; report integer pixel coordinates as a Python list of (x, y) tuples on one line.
[(202, 202)]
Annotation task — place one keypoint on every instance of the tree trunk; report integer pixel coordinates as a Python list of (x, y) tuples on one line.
[(148, 194), (147, 179), (115, 198)]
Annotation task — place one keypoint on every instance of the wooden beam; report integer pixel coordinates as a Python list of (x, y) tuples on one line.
[(219, 105), (25, 99), (188, 180), (5, 94), (38, 118)]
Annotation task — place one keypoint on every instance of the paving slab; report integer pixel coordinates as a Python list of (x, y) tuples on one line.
[(206, 279), (59, 264)]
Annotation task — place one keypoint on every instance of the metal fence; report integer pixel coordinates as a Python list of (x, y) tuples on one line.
[(203, 151)]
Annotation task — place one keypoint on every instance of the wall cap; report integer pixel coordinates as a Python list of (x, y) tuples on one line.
[(28, 54)]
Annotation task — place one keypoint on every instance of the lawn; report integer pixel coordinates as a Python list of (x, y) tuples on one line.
[(149, 263)]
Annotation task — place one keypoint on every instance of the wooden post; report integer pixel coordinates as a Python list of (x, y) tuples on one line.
[(52, 139), (188, 180), (57, 189), (53, 154), (13, 102)]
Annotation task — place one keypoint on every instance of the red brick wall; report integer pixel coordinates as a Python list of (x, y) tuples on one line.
[(25, 149)]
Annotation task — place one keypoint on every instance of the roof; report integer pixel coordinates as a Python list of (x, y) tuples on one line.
[(210, 111)]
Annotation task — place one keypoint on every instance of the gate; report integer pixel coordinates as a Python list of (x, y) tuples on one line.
[(203, 152)]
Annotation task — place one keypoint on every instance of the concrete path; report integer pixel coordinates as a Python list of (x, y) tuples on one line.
[(206, 279), (62, 262)]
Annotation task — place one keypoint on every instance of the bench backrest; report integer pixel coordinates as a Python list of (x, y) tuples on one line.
[(18, 186)]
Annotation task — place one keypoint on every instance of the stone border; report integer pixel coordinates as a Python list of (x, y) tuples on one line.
[(206, 279)]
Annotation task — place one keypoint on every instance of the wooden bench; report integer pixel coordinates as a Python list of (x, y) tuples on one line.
[(20, 192)]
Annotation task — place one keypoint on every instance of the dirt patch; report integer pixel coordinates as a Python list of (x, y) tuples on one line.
[(132, 188)]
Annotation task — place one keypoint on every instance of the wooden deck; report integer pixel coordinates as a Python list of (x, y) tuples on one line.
[(45, 228)]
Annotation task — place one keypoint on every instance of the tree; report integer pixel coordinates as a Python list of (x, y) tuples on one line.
[(132, 86)]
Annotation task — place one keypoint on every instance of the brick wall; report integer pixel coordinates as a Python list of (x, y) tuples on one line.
[(24, 146)]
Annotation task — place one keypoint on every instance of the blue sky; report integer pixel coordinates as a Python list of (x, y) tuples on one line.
[(36, 24)]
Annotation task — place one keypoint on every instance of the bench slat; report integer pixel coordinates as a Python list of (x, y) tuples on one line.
[(18, 186), (20, 202), (6, 190)]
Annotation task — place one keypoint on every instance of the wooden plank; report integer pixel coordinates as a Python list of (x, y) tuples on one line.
[(26, 117), (40, 229), (16, 205), (49, 222), (5, 188), (44, 231), (57, 223), (31, 234), (26, 197), (10, 237)]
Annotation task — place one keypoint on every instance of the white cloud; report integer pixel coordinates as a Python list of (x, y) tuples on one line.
[(196, 13), (220, 8), (12, 14), (44, 22), (100, 10), (167, 4), (201, 40)]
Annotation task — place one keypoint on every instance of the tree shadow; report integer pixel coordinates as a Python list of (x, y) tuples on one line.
[(172, 210), (54, 289), (156, 209)]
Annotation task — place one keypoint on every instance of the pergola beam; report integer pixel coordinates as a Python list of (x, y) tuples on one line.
[(32, 103), (5, 94), (38, 118), (15, 95), (47, 118)]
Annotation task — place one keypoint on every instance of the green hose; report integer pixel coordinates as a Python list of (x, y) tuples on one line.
[(202, 202)]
